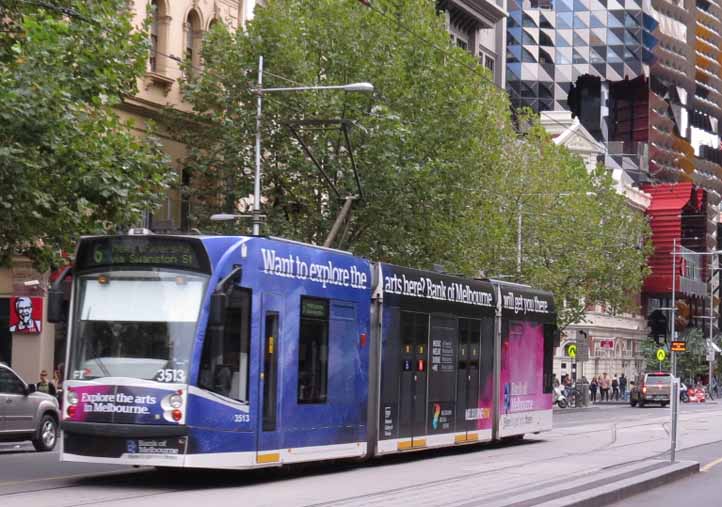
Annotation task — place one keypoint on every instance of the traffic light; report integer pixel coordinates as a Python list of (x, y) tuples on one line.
[(657, 322), (682, 316)]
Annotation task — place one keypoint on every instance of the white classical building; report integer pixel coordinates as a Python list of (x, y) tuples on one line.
[(614, 340)]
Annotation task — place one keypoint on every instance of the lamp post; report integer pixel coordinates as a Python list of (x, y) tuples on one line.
[(260, 91)]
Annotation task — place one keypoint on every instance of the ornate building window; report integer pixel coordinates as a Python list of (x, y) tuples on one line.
[(193, 37), (154, 35)]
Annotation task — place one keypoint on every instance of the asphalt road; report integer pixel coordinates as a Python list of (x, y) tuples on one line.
[(622, 413), (20, 463)]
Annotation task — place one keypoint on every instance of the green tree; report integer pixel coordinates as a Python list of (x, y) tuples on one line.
[(443, 169), (68, 164), (579, 237)]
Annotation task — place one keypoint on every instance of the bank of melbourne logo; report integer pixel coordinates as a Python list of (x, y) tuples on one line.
[(132, 447), (437, 413)]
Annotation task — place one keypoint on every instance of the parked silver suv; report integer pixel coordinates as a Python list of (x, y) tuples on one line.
[(26, 414)]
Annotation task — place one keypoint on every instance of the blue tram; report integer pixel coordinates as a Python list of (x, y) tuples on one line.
[(245, 352)]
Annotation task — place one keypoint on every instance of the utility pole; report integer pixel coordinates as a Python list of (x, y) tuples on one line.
[(675, 380), (257, 180), (518, 242), (710, 350)]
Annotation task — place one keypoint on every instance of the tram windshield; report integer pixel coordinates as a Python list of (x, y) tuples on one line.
[(137, 324)]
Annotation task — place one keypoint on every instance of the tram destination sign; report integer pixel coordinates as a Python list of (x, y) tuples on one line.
[(183, 253)]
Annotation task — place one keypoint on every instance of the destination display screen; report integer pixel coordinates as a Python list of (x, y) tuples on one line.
[(183, 253)]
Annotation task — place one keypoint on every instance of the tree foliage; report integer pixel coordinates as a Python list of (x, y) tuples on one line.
[(579, 236), (68, 164), (690, 364), (444, 171)]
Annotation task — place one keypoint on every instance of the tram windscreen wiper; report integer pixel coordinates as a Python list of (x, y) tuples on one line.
[(100, 363)]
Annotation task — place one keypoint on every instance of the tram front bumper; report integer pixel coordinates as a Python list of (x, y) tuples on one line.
[(131, 441)]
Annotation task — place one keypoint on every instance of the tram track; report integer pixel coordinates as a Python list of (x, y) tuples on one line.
[(162, 482)]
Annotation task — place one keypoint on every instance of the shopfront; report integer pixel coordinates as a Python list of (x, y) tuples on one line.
[(27, 340)]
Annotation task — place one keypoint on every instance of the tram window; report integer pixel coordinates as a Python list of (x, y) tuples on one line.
[(548, 377), (224, 361), (313, 351)]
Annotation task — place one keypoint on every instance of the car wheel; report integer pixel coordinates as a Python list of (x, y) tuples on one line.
[(47, 434), (641, 403), (664, 404)]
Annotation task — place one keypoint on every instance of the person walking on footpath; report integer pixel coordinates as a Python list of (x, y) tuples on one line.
[(623, 386), (45, 386), (615, 388), (604, 388), (593, 386)]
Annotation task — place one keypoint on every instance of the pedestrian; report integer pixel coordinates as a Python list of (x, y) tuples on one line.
[(604, 387), (593, 389), (45, 386), (623, 386), (615, 388), (555, 381), (567, 386), (58, 375)]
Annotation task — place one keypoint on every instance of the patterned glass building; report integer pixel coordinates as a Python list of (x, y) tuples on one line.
[(551, 44), (643, 76)]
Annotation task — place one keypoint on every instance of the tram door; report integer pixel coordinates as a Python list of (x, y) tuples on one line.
[(414, 358), (467, 394), (269, 427)]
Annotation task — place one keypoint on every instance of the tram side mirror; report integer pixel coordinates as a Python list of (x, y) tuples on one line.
[(56, 305), (219, 304)]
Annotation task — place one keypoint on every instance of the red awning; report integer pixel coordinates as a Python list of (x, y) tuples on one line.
[(665, 212)]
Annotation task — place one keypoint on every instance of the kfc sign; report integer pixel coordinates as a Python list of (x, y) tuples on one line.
[(26, 315)]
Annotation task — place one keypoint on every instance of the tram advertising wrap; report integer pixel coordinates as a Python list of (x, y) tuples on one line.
[(124, 404), (525, 399), (437, 360)]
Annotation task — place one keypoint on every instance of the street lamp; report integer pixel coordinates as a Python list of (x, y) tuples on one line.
[(362, 87)]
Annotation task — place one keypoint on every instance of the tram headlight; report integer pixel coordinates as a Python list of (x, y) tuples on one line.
[(72, 398), (175, 401)]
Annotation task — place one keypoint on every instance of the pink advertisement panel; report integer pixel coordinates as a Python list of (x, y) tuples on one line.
[(522, 396)]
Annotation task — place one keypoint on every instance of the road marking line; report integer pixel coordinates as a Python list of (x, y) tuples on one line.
[(710, 465)]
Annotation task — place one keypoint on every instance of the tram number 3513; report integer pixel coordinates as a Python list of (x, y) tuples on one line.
[(170, 375), (241, 418)]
